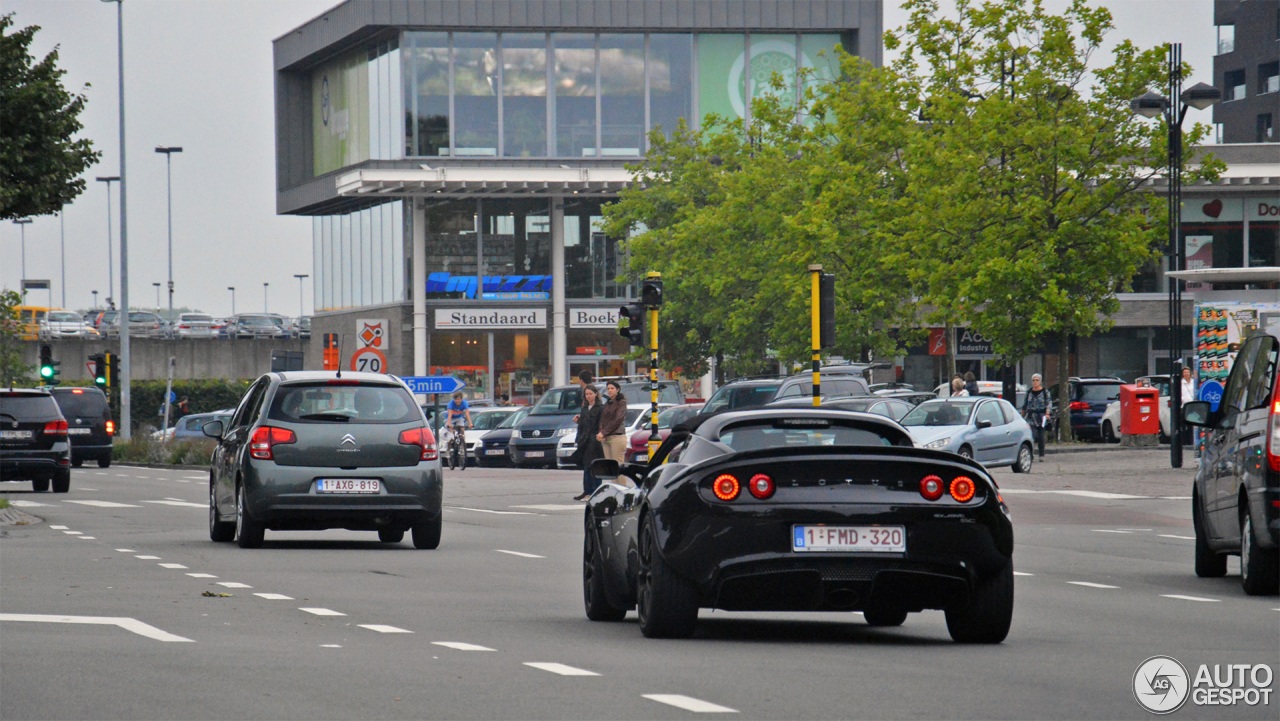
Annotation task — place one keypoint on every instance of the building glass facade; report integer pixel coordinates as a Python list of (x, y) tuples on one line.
[(359, 258)]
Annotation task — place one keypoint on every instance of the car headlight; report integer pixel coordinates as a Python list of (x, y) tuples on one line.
[(565, 431), (940, 443)]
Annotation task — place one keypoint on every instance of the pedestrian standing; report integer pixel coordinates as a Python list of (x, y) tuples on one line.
[(957, 388), (589, 448), (612, 421), (1035, 408), (1188, 395), (971, 383)]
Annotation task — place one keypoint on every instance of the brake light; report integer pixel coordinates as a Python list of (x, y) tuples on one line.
[(77, 391), (962, 488), (111, 428), (932, 488), (422, 438), (55, 428), (761, 486), (1273, 437), (341, 382), (1079, 406), (726, 487), (265, 438)]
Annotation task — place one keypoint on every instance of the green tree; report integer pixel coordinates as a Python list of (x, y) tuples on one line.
[(40, 159), (12, 368)]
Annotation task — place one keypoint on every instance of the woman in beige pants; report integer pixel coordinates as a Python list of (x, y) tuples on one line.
[(612, 434)]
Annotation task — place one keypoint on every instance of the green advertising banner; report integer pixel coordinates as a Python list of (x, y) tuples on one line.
[(718, 90), (723, 71), (340, 120)]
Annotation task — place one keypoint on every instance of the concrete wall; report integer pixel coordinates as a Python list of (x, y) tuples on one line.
[(193, 359), (398, 338)]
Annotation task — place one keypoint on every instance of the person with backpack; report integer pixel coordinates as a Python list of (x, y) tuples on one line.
[(1035, 408)]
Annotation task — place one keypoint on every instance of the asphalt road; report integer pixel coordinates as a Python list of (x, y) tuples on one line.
[(1104, 555)]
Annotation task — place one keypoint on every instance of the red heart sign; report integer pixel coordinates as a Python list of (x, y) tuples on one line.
[(1213, 209)]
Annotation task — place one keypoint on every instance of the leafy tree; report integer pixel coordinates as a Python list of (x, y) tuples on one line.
[(40, 159), (11, 366)]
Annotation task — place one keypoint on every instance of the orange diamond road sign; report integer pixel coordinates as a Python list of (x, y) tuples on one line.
[(372, 333)]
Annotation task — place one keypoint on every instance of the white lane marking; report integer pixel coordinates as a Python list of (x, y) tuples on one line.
[(123, 475), (233, 584), (552, 507), (688, 703), (322, 611), (1175, 498), (128, 624), (195, 478), (171, 565), (517, 553), (1180, 538), (148, 558), (58, 528), (88, 538), (1082, 494), (1020, 573), (125, 550), (489, 510), (1108, 530), (561, 669), (1190, 598), (188, 504), (105, 504), (459, 646), (383, 629), (74, 533), (1090, 585), (171, 498), (274, 596), (29, 504), (201, 575), (330, 645), (82, 488), (1133, 529), (101, 473), (182, 481)]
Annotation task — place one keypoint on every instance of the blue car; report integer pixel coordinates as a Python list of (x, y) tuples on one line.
[(988, 430), (1089, 400)]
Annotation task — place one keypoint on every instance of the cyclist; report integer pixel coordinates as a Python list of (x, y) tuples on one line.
[(457, 419)]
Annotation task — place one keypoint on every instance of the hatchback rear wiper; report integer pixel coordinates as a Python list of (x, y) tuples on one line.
[(336, 417)]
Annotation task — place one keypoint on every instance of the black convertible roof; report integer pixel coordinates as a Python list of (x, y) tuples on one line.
[(709, 427)]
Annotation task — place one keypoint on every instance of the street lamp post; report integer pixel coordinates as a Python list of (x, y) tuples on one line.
[(301, 308), (264, 297), (168, 170), (157, 285), (126, 386), (232, 288), (111, 276), (95, 299), (62, 242), (1173, 109), (22, 225)]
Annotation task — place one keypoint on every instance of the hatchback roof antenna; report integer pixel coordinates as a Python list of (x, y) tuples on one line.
[(339, 356)]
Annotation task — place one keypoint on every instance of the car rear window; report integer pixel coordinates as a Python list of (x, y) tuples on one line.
[(198, 318), (26, 405), (63, 317), (731, 397), (331, 403), (799, 432), (1098, 392), (85, 403)]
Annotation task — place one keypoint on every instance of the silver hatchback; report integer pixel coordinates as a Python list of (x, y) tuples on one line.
[(988, 430)]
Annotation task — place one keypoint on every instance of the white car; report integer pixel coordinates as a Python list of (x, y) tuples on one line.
[(65, 324), (1110, 423), (194, 325), (484, 420), (637, 417)]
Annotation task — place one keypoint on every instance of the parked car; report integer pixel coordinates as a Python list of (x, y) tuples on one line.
[(105, 319), (33, 440), (879, 388), (484, 420), (142, 324), (494, 450), (194, 325), (1089, 400), (65, 324), (533, 444), (637, 416), (308, 451), (1235, 500), (988, 430), (638, 445), (755, 392), (255, 326), (879, 405), (1110, 423), (89, 425), (302, 327), (30, 317), (188, 427)]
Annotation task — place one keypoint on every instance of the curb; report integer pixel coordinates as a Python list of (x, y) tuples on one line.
[(1106, 448), (161, 466)]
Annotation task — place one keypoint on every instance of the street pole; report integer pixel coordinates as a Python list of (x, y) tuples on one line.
[(62, 234), (232, 288), (168, 170), (655, 439), (264, 297), (22, 226), (302, 310), (111, 276), (126, 420), (815, 330), (157, 285)]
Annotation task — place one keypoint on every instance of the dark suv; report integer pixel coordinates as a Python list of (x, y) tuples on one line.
[(33, 440), (308, 450), (89, 424), (1235, 502), (756, 392), (1089, 400)]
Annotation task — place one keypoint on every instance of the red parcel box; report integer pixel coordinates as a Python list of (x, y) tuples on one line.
[(1139, 411)]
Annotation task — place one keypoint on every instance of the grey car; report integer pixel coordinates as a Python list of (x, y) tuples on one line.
[(309, 450), (988, 430)]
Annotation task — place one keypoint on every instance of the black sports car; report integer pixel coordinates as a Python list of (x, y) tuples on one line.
[(790, 509)]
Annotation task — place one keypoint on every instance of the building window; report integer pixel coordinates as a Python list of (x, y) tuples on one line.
[(1226, 39), (574, 76), (1269, 78), (621, 95), (427, 93), (359, 258), (1235, 87), (1266, 131), (670, 69), (524, 94), (475, 90)]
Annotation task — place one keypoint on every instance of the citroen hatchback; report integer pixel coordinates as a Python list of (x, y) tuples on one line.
[(312, 451)]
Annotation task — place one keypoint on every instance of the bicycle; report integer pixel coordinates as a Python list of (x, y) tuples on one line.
[(457, 451)]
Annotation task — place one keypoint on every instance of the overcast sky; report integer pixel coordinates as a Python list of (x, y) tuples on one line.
[(198, 75)]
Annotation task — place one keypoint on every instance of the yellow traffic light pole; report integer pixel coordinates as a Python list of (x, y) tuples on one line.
[(654, 439), (815, 329)]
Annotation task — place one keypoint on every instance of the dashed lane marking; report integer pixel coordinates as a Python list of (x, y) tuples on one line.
[(322, 611), (1133, 529), (383, 629), (459, 646), (74, 533), (274, 596), (1190, 598), (688, 703), (28, 504), (201, 575), (553, 507), (57, 528), (1090, 585), (148, 558), (188, 504), (1020, 573), (517, 553), (125, 550), (1081, 494), (105, 504), (88, 538), (561, 669), (82, 488), (1109, 530), (128, 624), (171, 565), (1175, 498), (1180, 538), (330, 645), (233, 584), (490, 510)]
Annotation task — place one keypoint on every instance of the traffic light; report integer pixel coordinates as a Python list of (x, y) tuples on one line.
[(651, 293), (99, 362), (633, 314), (48, 366), (827, 310)]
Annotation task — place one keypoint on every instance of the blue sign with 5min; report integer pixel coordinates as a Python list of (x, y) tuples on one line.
[(426, 385)]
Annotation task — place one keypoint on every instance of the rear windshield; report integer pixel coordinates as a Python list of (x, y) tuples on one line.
[(675, 416), (489, 421), (62, 316), (256, 320), (326, 403), (85, 403), (21, 406), (558, 401), (793, 432), (731, 397), (198, 318), (1097, 392), (940, 413), (633, 414)]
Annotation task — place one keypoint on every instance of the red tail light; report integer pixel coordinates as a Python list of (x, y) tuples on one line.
[(932, 488), (55, 428), (761, 486), (962, 488), (1079, 406), (422, 438), (265, 438), (1273, 435), (77, 391), (726, 487), (111, 428)]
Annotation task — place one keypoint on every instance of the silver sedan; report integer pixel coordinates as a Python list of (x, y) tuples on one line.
[(988, 430)]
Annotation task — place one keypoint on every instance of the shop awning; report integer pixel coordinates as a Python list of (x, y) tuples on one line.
[(484, 181), (1262, 274)]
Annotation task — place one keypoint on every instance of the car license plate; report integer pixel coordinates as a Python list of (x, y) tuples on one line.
[(494, 452), (348, 485), (860, 539), (533, 454), (15, 435), (641, 458), (79, 431)]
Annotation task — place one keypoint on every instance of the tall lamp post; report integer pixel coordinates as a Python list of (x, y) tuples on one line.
[(95, 299), (126, 384), (232, 288), (1173, 108), (22, 225), (264, 297), (168, 174), (301, 308), (157, 285), (111, 276)]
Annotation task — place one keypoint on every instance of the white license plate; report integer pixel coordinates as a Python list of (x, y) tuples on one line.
[(348, 485), (533, 454), (860, 539), (641, 458), (15, 435), (79, 431), (494, 452)]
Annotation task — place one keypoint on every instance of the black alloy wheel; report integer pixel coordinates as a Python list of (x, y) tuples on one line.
[(219, 531), (1259, 571), (1109, 433), (884, 616), (104, 462), (1209, 563), (62, 481), (1025, 459), (989, 612), (593, 596), (667, 604), (426, 535), (391, 535), (249, 533)]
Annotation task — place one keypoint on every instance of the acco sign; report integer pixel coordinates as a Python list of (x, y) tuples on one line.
[(968, 342)]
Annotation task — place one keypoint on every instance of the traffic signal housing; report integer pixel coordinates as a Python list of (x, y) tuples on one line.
[(48, 366), (99, 362), (651, 293), (827, 310), (633, 314)]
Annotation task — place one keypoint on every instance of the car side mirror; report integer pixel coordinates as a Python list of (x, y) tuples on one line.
[(213, 429), (1196, 413), (983, 424), (606, 469)]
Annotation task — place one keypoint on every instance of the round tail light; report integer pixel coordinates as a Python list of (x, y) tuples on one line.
[(726, 487), (932, 487), (761, 486), (962, 488)]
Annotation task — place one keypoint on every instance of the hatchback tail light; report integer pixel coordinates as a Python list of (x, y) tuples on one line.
[(265, 438), (1273, 437), (55, 428), (932, 488), (962, 488), (111, 428), (726, 487), (1079, 406), (422, 438), (761, 486)]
